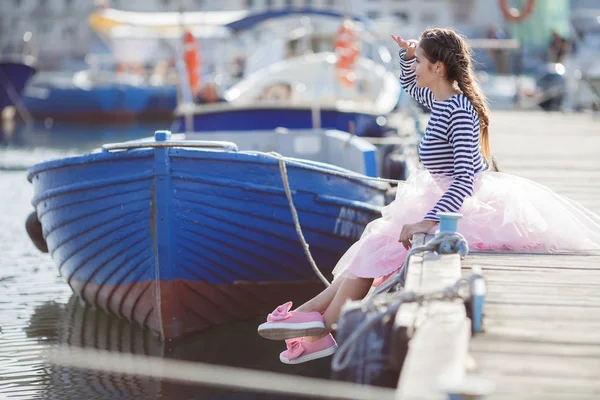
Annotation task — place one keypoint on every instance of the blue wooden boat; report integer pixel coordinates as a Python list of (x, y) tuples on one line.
[(14, 74), (182, 235)]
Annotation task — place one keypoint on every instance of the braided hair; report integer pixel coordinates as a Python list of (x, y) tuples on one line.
[(451, 49)]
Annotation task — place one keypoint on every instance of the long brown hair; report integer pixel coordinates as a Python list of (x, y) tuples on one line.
[(448, 47)]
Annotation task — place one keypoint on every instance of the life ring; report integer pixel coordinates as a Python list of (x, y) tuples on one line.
[(346, 48), (192, 61), (512, 14)]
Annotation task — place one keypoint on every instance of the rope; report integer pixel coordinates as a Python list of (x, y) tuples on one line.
[(284, 177), (442, 243), (213, 375), (345, 352), (305, 246)]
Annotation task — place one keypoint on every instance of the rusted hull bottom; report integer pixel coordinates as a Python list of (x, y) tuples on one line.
[(177, 308)]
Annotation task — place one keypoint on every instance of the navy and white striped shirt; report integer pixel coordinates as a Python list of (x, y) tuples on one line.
[(451, 145)]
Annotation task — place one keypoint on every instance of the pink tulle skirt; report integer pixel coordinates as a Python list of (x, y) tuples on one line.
[(505, 213)]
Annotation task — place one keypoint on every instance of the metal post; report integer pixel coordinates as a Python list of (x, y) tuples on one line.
[(449, 221), (162, 136)]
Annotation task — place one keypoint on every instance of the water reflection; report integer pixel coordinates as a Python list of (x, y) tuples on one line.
[(79, 325)]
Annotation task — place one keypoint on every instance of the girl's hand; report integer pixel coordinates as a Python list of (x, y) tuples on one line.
[(409, 45), (409, 230)]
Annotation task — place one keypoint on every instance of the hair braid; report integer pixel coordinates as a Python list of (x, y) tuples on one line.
[(448, 47)]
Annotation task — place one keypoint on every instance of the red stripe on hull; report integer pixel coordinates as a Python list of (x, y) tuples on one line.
[(177, 308)]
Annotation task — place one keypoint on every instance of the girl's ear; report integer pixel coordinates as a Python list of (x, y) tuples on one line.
[(439, 68)]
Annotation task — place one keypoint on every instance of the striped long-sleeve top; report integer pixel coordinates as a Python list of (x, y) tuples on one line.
[(451, 144)]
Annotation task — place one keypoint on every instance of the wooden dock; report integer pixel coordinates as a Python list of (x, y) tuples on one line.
[(542, 315), (542, 312)]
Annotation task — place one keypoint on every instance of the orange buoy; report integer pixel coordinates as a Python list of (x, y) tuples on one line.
[(514, 15), (192, 61), (346, 48)]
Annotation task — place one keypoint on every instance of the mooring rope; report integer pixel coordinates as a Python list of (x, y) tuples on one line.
[(443, 243), (305, 246), (345, 352), (284, 177)]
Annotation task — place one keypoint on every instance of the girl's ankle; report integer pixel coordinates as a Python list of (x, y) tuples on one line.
[(313, 339)]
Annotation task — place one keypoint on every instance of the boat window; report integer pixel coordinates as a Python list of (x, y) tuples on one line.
[(276, 92)]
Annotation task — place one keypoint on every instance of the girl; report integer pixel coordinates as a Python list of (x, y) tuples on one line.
[(500, 211)]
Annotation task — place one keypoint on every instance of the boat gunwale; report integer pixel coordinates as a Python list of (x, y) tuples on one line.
[(192, 153)]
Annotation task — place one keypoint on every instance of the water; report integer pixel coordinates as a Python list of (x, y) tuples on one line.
[(37, 309)]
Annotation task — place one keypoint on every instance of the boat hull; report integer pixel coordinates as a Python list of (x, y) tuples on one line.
[(108, 103), (13, 78), (249, 119), (181, 240)]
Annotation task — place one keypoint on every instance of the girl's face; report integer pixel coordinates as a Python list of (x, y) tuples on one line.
[(425, 70)]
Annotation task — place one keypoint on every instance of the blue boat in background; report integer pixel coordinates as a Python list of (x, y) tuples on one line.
[(131, 73), (16, 69), (86, 97), (180, 234), (14, 75)]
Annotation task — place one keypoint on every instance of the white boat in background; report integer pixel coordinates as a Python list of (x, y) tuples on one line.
[(291, 79)]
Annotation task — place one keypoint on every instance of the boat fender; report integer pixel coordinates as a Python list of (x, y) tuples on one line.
[(34, 230), (346, 48), (192, 61)]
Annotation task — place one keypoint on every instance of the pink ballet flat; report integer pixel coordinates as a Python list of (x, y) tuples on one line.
[(299, 350), (285, 324)]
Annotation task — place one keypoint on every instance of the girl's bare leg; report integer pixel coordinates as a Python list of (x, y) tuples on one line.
[(321, 301), (350, 289)]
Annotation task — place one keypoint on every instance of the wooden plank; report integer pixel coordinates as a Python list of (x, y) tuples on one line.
[(539, 365), (438, 350), (526, 394), (522, 385), (437, 355), (492, 343), (524, 312), (541, 261), (548, 332), (544, 278)]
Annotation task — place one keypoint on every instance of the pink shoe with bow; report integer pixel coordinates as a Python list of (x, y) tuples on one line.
[(299, 350), (285, 324)]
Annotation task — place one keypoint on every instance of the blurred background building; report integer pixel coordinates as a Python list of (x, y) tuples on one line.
[(64, 37)]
